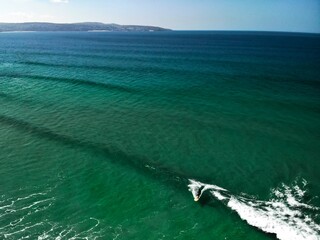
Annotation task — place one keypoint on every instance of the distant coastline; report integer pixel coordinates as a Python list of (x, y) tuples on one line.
[(76, 27)]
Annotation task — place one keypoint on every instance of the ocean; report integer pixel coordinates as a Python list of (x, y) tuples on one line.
[(111, 135)]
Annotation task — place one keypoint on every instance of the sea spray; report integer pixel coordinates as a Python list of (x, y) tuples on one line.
[(284, 214)]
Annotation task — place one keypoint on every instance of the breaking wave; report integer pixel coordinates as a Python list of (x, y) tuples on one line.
[(285, 214)]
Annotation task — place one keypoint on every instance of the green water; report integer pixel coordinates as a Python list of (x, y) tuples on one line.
[(100, 132)]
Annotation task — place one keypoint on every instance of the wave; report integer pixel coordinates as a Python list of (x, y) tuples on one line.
[(146, 166), (138, 68), (284, 215), (75, 81)]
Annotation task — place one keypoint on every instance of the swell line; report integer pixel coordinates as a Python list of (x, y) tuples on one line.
[(126, 68), (77, 81), (143, 165), (211, 69), (74, 81)]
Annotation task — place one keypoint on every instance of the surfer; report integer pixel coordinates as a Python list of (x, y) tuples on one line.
[(198, 193)]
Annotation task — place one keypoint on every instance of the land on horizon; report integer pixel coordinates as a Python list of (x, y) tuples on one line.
[(84, 26)]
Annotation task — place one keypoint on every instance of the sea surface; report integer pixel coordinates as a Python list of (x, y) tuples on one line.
[(110, 135)]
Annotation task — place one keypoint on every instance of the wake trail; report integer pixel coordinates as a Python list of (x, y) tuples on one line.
[(284, 215)]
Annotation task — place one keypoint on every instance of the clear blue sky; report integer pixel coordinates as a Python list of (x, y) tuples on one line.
[(270, 15)]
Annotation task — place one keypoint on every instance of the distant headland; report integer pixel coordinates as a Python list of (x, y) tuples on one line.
[(79, 27)]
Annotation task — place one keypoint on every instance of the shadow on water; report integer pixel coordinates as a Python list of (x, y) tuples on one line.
[(207, 200)]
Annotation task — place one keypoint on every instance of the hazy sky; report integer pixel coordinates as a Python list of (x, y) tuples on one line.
[(271, 15)]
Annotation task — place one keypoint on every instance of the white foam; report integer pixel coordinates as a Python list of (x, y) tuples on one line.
[(194, 186), (275, 218), (283, 215), (218, 195), (22, 220)]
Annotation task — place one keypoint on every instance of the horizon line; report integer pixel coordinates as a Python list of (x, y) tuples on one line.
[(216, 30)]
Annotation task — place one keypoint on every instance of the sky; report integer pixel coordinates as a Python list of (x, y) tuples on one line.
[(262, 15)]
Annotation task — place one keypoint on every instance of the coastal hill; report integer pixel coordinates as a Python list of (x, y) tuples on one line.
[(82, 27)]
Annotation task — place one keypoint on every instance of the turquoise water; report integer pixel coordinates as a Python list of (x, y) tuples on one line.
[(101, 134)]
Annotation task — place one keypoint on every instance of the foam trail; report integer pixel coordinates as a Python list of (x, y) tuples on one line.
[(283, 215)]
